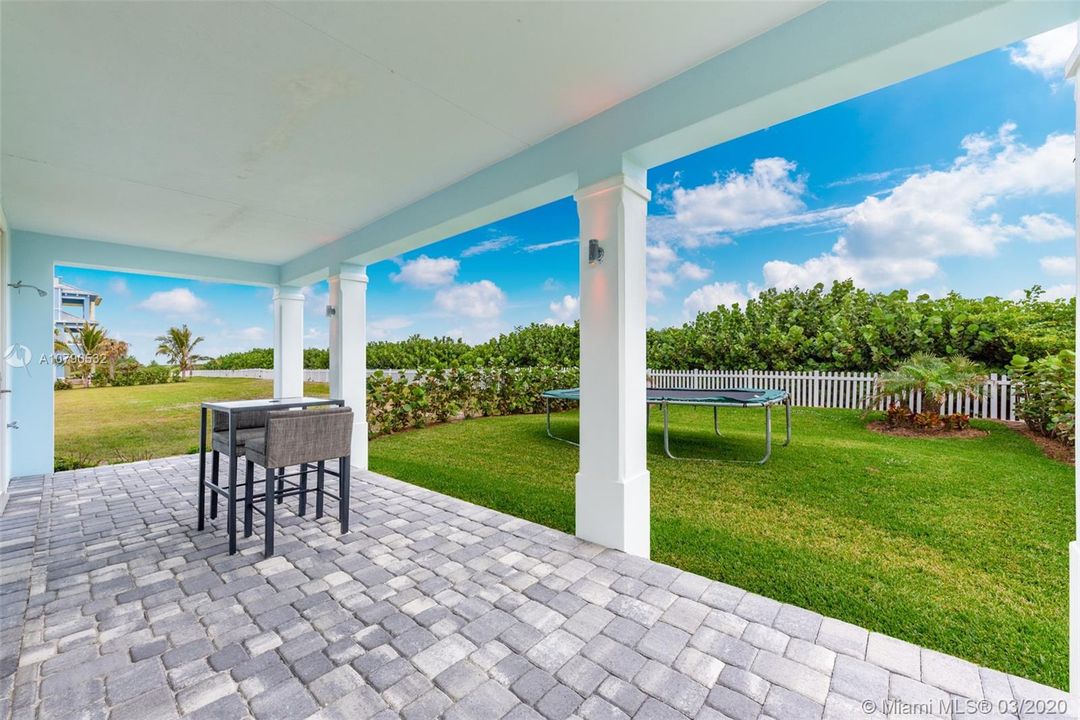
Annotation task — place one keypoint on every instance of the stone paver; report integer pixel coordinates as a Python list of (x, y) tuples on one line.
[(112, 605)]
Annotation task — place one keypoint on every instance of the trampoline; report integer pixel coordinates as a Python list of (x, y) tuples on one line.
[(665, 397)]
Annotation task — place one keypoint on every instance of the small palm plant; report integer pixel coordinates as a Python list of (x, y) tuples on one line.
[(935, 377), (87, 343), (179, 346)]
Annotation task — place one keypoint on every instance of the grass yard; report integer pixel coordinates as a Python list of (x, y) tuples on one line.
[(124, 424), (958, 545)]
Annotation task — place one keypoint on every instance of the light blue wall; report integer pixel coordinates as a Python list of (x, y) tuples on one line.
[(33, 257)]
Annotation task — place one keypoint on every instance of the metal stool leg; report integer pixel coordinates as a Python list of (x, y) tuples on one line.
[(344, 470), (249, 493), (280, 485), (268, 510), (320, 475), (202, 469), (303, 488), (215, 463)]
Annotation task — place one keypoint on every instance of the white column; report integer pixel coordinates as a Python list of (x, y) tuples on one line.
[(288, 342), (612, 488), (348, 351)]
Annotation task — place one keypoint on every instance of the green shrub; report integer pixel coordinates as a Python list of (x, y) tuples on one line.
[(69, 463), (61, 384), (147, 375), (255, 358), (1046, 394), (437, 395), (836, 328)]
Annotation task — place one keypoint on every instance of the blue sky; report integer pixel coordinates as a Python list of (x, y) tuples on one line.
[(961, 179)]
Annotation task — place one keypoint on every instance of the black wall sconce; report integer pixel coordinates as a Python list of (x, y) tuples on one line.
[(596, 253)]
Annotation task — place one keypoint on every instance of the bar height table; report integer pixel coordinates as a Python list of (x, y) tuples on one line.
[(232, 408)]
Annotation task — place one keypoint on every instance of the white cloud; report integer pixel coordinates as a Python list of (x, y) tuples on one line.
[(492, 245), (896, 239), (1058, 265), (481, 300), (178, 301), (1055, 292), (866, 272), (551, 285), (1044, 227), (693, 271), (709, 297), (770, 195), (565, 311), (1045, 54), (427, 272), (548, 245), (384, 327), (1060, 292), (742, 201), (253, 334), (119, 286), (659, 258)]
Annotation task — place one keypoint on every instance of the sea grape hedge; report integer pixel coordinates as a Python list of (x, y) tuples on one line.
[(1046, 394), (837, 328), (440, 395)]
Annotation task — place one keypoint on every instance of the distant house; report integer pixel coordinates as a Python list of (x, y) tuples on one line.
[(72, 307)]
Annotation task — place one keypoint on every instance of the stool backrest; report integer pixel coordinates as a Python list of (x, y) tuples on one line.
[(245, 419), (305, 436)]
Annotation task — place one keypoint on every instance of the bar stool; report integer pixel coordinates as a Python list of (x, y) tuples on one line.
[(249, 425), (303, 438)]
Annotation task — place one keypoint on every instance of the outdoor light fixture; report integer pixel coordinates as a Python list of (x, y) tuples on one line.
[(596, 253), (19, 285), (331, 311)]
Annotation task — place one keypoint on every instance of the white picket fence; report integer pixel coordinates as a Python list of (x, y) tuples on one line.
[(995, 399)]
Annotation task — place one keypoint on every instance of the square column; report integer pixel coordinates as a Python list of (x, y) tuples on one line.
[(348, 351), (288, 342), (612, 485)]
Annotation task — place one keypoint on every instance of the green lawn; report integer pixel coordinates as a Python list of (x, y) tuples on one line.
[(958, 545), (123, 424)]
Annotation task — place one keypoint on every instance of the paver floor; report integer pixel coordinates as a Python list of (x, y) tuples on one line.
[(114, 606)]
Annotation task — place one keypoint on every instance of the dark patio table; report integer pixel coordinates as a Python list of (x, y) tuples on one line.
[(232, 408)]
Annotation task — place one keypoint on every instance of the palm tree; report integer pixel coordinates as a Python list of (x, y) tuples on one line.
[(179, 347), (87, 343), (114, 351), (935, 377)]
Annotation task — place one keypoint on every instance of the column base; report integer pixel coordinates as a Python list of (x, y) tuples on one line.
[(614, 513), (359, 457)]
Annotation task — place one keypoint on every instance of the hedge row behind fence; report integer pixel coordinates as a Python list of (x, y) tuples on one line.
[(437, 396), (838, 328)]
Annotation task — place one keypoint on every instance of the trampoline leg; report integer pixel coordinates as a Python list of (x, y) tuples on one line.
[(715, 421), (667, 444), (768, 435), (547, 406), (787, 416)]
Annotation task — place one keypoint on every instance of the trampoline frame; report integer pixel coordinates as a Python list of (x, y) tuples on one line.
[(664, 403)]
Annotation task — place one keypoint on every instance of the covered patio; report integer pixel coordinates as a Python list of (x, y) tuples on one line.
[(115, 606), (278, 145)]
